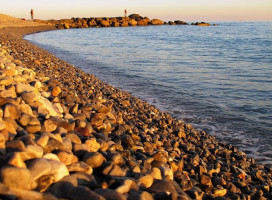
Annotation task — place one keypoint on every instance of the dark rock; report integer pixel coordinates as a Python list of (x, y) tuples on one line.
[(110, 194), (113, 170), (163, 188), (94, 159), (14, 177), (83, 193)]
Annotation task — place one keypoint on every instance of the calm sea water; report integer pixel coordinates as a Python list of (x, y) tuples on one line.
[(217, 78)]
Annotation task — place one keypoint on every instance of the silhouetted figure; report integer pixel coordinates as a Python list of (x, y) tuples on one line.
[(32, 14), (125, 12)]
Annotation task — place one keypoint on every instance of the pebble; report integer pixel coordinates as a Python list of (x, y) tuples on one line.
[(56, 91), (38, 167), (84, 193), (15, 177), (110, 194), (93, 159)]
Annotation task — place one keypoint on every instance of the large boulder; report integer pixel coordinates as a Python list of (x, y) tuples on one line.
[(179, 22), (201, 24), (132, 22), (156, 22), (124, 24), (142, 22), (115, 24), (92, 23), (135, 16), (104, 23)]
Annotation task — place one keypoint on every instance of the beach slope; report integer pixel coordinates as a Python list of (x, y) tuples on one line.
[(65, 134)]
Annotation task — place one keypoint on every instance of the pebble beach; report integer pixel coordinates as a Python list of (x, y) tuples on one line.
[(65, 134)]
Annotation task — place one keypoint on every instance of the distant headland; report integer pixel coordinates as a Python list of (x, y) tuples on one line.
[(131, 20)]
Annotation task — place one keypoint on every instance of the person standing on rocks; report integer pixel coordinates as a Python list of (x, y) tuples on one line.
[(125, 12), (32, 14)]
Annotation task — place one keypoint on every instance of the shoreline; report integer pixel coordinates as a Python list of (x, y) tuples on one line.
[(145, 153)]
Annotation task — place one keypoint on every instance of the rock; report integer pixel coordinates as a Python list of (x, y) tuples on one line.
[(21, 88), (12, 111), (132, 22), (113, 170), (162, 186), (104, 23), (6, 80), (156, 173), (4, 101), (127, 141), (195, 193), (134, 195), (156, 22), (15, 145), (18, 158), (205, 180), (38, 167), (8, 93), (33, 129), (30, 97), (115, 24), (201, 24), (74, 138), (93, 145), (220, 192), (46, 104), (80, 149), (67, 158), (56, 91), (42, 140), (180, 22), (27, 194), (167, 172), (125, 24), (126, 185), (10, 72), (27, 119), (58, 170), (49, 126), (110, 194), (69, 182), (2, 143), (35, 151), (142, 22), (93, 159), (82, 131), (80, 167), (10, 124), (51, 156), (14, 177), (84, 193), (54, 144), (145, 181), (116, 158)]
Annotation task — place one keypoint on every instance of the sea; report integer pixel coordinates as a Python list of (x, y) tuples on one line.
[(217, 78)]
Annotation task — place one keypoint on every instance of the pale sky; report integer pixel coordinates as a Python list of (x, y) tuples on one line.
[(187, 10)]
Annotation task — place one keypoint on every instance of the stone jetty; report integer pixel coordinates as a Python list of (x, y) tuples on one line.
[(65, 134), (131, 20)]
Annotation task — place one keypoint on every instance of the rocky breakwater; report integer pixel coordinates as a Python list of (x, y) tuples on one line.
[(132, 20), (64, 134)]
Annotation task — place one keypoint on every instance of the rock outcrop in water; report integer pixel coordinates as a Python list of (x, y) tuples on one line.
[(65, 134)]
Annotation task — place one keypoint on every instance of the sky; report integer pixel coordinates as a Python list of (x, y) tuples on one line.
[(186, 10)]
